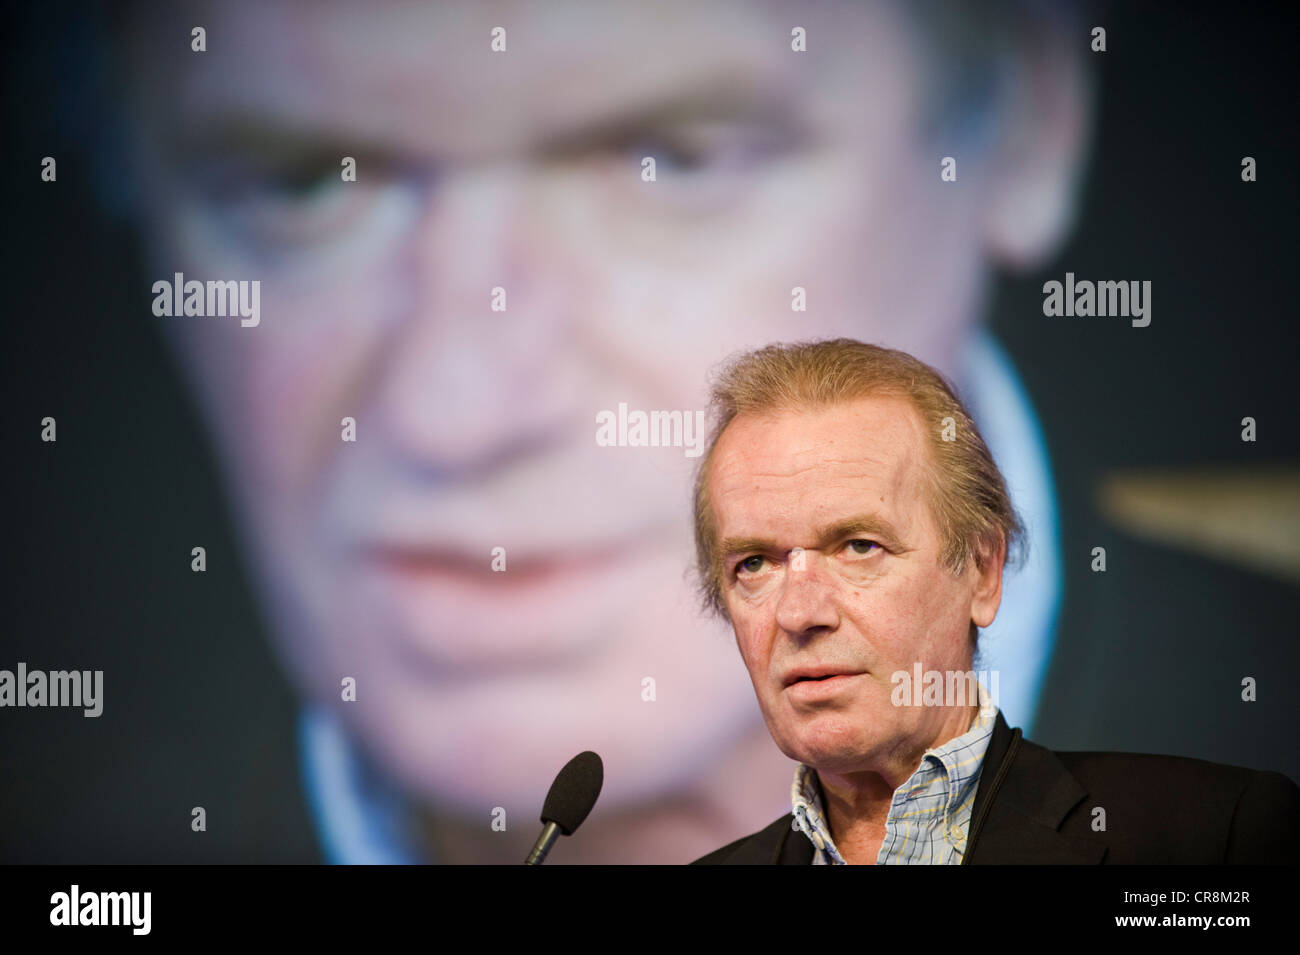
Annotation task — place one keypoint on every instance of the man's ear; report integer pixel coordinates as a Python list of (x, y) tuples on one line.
[(1043, 143), (988, 586)]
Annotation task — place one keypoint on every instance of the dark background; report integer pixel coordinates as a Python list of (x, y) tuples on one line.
[(1149, 655)]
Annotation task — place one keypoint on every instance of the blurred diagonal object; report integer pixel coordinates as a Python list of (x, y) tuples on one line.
[(1249, 517)]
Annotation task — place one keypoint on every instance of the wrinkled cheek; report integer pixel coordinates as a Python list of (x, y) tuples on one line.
[(277, 391), (290, 410), (756, 595), (750, 640), (258, 406)]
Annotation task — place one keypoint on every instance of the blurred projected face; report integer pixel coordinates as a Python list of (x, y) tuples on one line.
[(833, 580), (475, 427)]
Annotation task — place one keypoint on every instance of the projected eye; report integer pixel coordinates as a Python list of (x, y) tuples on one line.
[(697, 152), (282, 207), (750, 565), (700, 167), (294, 204)]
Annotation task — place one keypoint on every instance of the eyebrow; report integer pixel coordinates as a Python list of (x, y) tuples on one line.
[(868, 524), (723, 100), (258, 128), (258, 134)]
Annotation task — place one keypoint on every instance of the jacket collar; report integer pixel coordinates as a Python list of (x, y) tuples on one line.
[(1025, 793)]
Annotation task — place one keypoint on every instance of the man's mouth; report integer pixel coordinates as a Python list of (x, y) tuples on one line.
[(481, 570), (454, 610), (817, 675)]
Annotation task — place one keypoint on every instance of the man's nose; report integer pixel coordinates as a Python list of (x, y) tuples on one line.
[(805, 604), (475, 368)]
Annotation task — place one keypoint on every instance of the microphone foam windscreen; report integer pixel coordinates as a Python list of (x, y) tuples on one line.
[(574, 792)]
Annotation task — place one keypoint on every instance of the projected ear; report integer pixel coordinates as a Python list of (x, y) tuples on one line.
[(1042, 147)]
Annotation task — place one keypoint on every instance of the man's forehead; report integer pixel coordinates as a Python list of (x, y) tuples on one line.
[(422, 76), (867, 451)]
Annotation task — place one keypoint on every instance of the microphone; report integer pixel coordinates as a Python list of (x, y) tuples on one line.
[(567, 803)]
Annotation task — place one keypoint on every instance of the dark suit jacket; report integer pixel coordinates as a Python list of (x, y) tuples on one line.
[(1034, 806)]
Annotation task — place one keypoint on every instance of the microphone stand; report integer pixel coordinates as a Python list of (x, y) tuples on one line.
[(550, 832)]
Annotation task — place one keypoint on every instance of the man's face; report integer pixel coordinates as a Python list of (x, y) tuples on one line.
[(867, 596), (475, 428)]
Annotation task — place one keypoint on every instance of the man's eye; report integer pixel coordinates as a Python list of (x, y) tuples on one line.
[(673, 154), (705, 149), (863, 546), (681, 158), (301, 183), (286, 208), (296, 187), (750, 565)]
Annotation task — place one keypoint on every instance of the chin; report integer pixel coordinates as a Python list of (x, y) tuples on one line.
[(836, 745), (466, 767)]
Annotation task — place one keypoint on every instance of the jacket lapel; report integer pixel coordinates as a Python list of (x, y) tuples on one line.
[(773, 846), (1024, 794), (795, 848)]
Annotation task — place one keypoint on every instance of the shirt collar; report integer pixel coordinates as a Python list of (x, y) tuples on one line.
[(360, 817), (955, 766)]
